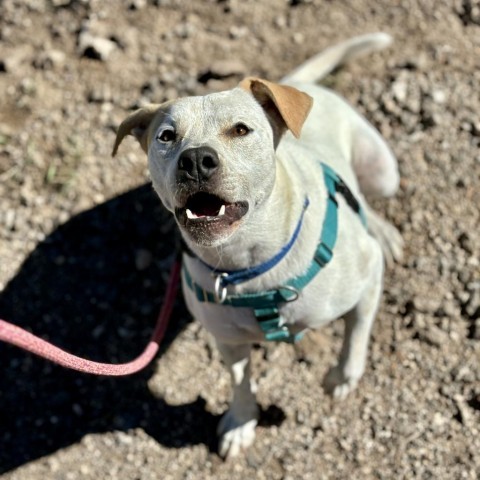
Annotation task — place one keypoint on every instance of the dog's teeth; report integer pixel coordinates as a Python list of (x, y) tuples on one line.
[(190, 215), (222, 211)]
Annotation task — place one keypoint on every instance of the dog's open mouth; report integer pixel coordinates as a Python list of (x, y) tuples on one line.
[(209, 213)]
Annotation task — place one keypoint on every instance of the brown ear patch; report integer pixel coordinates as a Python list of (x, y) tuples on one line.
[(137, 124), (292, 104)]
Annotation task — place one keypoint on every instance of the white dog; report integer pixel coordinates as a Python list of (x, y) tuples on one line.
[(266, 182)]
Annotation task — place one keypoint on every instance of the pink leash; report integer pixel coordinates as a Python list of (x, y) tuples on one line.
[(21, 338)]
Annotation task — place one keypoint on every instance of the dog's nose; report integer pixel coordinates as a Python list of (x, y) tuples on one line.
[(198, 163)]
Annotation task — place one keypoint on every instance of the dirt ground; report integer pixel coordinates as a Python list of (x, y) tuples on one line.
[(85, 246)]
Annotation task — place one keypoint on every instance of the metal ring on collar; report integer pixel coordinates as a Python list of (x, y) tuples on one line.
[(219, 291), (290, 289)]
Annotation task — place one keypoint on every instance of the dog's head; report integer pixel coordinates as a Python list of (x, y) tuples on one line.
[(212, 158)]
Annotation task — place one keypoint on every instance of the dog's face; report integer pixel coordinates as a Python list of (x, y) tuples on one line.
[(212, 158), (212, 161)]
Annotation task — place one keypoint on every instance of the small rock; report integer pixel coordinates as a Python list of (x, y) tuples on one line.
[(184, 30), (280, 21), (100, 94), (433, 336), (219, 85), (10, 219), (137, 4), (426, 304), (399, 89), (238, 32), (439, 96), (389, 105), (464, 414), (416, 63), (227, 68), (49, 60), (13, 60), (28, 86), (298, 38), (97, 48), (222, 69), (465, 242), (431, 119), (472, 307)]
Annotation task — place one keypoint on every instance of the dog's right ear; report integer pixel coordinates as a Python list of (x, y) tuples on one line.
[(137, 124)]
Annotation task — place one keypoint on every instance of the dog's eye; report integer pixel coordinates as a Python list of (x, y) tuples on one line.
[(166, 136), (239, 130)]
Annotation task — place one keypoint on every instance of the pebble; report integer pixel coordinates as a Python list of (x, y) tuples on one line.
[(97, 48), (439, 96), (100, 94), (49, 60), (298, 38), (466, 242), (433, 336), (184, 30), (137, 4), (236, 32), (9, 220), (280, 21), (222, 69), (399, 89), (427, 304), (472, 307), (227, 68), (12, 62)]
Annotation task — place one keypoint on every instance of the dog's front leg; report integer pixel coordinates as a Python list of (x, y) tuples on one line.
[(236, 429)]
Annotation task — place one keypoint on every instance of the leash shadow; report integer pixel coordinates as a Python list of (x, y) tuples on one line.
[(93, 287)]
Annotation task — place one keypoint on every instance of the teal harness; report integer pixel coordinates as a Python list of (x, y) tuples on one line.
[(266, 305)]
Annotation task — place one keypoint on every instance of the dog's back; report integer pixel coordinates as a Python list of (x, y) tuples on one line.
[(339, 136)]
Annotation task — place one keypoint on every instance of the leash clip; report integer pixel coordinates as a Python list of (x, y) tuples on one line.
[(219, 290)]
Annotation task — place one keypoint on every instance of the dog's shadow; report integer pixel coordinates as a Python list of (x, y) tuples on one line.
[(94, 288)]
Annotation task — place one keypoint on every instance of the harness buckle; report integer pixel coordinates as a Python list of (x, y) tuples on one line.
[(219, 290), (323, 255)]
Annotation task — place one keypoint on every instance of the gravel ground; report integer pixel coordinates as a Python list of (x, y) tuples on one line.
[(85, 246)]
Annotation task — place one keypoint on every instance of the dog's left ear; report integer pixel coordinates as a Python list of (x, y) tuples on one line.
[(286, 107), (137, 124)]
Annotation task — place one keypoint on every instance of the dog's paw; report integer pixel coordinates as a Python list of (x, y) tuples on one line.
[(338, 384), (234, 435)]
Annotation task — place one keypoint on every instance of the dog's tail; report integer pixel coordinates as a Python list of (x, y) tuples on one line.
[(325, 62)]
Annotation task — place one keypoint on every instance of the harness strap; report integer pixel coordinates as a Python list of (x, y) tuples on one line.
[(266, 304)]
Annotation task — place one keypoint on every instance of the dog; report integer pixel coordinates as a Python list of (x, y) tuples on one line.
[(267, 182)]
